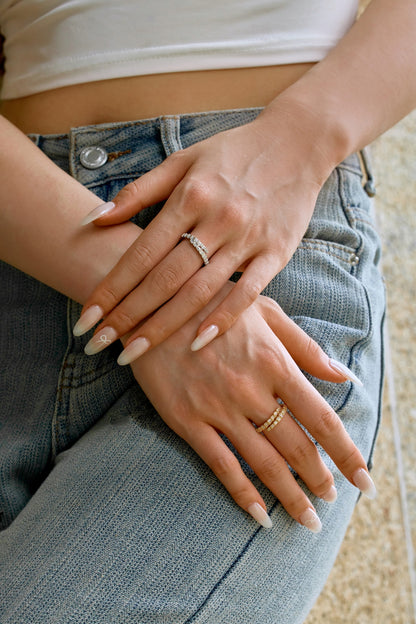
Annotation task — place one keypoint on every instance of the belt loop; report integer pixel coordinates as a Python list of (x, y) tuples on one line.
[(170, 134), (369, 185)]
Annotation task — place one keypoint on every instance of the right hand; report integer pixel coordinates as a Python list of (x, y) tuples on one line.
[(234, 382)]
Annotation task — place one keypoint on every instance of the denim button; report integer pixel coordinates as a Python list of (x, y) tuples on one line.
[(93, 157)]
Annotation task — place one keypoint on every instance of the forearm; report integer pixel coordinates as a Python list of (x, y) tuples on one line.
[(364, 86), (41, 208)]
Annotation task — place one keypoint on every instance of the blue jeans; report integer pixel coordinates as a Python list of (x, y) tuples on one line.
[(109, 517)]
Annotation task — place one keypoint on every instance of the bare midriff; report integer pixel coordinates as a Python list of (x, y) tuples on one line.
[(142, 97)]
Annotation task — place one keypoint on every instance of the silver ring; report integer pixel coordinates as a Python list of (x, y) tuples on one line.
[(200, 247)]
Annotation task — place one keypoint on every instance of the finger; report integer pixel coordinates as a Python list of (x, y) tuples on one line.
[(327, 429), (302, 455), (153, 244), (214, 452), (304, 350), (157, 288), (273, 471), (152, 187), (254, 279)]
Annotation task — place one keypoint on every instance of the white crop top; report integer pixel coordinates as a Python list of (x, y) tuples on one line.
[(53, 43)]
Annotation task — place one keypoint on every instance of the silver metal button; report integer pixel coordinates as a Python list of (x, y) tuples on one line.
[(93, 157)]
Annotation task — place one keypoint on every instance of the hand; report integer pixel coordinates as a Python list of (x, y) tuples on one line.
[(233, 383), (246, 195)]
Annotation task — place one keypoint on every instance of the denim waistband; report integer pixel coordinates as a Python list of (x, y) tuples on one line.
[(117, 140)]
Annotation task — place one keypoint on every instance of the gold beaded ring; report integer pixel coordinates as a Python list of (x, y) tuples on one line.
[(274, 419)]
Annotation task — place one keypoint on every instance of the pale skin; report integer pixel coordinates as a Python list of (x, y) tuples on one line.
[(314, 137), (248, 194)]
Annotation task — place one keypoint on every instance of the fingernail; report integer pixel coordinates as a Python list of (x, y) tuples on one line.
[(261, 516), (134, 350), (88, 319), (330, 495), (364, 482), (100, 341), (346, 372), (98, 212), (204, 337), (310, 520)]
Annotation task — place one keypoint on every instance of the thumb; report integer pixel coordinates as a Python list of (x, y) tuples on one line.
[(152, 187)]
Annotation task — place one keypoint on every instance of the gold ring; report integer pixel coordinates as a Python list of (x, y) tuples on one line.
[(274, 419)]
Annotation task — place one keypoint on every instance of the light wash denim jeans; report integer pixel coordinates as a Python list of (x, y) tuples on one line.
[(108, 516)]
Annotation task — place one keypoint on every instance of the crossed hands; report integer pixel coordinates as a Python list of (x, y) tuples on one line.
[(248, 198)]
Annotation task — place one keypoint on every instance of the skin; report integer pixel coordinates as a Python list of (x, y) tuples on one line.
[(225, 177), (242, 190)]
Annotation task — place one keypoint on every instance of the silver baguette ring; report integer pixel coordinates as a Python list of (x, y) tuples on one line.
[(200, 247)]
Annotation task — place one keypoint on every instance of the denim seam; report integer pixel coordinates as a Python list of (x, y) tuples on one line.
[(226, 573), (312, 247), (61, 400)]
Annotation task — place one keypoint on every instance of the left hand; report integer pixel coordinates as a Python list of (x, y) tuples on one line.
[(246, 194)]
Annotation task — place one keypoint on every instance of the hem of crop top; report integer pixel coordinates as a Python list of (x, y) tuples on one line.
[(164, 60)]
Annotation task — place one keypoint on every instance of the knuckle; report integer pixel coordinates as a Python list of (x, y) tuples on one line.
[(197, 193), (351, 459), (198, 293), (327, 423), (122, 320), (223, 465), (130, 192), (303, 454), (311, 348), (324, 485), (271, 469), (167, 281), (109, 295), (250, 292), (141, 257)]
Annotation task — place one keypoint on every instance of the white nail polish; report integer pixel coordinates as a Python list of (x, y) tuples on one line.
[(98, 212), (88, 319), (346, 372), (134, 350), (100, 341), (261, 516), (204, 337), (364, 482), (310, 520), (330, 495)]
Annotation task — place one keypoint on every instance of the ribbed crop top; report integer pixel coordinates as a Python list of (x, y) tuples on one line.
[(54, 43)]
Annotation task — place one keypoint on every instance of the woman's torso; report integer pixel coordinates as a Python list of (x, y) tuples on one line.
[(70, 64), (141, 97)]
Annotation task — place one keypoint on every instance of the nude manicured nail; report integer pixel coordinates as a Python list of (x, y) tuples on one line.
[(88, 319), (261, 516), (204, 337), (310, 520), (330, 495), (346, 372), (100, 341), (98, 212), (134, 350), (364, 482)]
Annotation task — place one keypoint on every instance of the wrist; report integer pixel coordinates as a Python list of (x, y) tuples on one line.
[(312, 122)]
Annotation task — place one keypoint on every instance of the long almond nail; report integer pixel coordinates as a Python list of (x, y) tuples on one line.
[(330, 495), (88, 319), (204, 337), (261, 516), (310, 520), (364, 482), (134, 350), (98, 212), (100, 341), (344, 371)]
